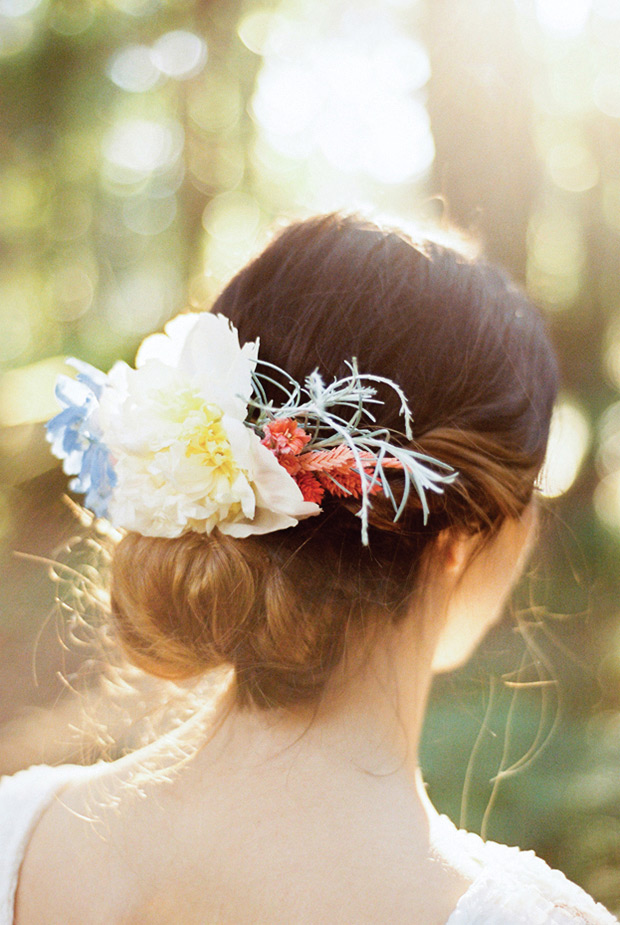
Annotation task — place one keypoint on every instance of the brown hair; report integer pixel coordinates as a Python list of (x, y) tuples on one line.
[(471, 354)]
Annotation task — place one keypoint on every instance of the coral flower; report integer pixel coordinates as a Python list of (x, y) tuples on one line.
[(285, 437), (310, 487), (344, 483), (336, 470)]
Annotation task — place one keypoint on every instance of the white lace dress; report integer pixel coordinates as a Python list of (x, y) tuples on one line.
[(510, 887)]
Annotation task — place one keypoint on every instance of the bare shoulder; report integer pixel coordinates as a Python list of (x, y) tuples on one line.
[(72, 856), (104, 851)]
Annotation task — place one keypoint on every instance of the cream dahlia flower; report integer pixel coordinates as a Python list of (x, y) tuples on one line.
[(183, 455)]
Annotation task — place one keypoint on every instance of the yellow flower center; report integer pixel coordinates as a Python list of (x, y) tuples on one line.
[(207, 438)]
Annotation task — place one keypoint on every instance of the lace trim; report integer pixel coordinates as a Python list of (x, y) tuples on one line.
[(514, 887)]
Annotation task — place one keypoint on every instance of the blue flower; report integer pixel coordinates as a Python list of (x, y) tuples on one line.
[(76, 437), (96, 479)]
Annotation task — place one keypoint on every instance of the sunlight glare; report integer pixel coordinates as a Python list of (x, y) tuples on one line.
[(347, 101), (563, 17), (286, 99)]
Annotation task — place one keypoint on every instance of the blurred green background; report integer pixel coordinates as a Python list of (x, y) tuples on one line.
[(147, 148)]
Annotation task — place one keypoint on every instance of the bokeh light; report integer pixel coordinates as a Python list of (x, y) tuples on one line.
[(135, 8), (556, 257), (255, 29), (132, 69), (607, 492), (569, 441), (142, 300), (149, 216), (15, 36), (611, 352), (573, 167), (25, 196), (17, 337), (232, 217), (72, 19), (179, 54), (133, 149), (73, 289), (215, 104)]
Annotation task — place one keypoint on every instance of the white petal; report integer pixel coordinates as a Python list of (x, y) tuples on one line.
[(134, 414), (168, 347), (240, 439), (275, 489), (216, 363), (279, 501), (264, 522), (117, 377)]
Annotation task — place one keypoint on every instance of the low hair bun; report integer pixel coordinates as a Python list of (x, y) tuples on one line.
[(161, 593), (186, 605)]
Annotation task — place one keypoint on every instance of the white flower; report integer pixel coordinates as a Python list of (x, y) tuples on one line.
[(206, 347), (183, 455), (279, 501)]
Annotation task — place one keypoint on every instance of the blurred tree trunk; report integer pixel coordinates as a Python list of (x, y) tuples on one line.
[(480, 106), (217, 21)]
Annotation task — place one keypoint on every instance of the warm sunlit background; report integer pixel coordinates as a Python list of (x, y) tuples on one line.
[(146, 148)]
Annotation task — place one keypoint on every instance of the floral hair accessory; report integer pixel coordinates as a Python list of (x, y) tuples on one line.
[(188, 440)]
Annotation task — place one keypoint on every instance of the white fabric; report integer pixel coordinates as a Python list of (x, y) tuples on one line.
[(510, 887)]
